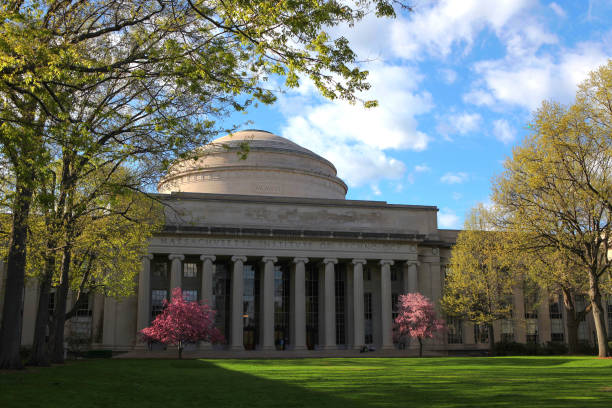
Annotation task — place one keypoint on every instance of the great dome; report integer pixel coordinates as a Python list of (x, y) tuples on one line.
[(274, 166)]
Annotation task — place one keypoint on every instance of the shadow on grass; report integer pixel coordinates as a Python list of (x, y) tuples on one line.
[(343, 383)]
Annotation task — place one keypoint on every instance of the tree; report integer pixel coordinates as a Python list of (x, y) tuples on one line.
[(554, 271), (416, 317), (110, 225), (478, 285), (183, 322), (141, 83), (557, 187)]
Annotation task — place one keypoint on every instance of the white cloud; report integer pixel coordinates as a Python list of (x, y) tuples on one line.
[(357, 163), (356, 139), (435, 30), (421, 168), (454, 178), (527, 80), (503, 131), (461, 123), (448, 219), (457, 196), (448, 75), (557, 9)]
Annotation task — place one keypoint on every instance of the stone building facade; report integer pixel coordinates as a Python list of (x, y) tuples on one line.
[(288, 263)]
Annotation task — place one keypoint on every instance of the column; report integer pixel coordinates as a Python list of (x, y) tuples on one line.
[(237, 326), (386, 318), (176, 271), (329, 304), (518, 315), (544, 323), (144, 293), (208, 269), (206, 291), (358, 312), (267, 303), (413, 277), (298, 299)]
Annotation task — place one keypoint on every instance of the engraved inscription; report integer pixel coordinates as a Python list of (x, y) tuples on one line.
[(267, 188)]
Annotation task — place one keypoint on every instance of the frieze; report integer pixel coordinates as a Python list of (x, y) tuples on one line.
[(282, 244)]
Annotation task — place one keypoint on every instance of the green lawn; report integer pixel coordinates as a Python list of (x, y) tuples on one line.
[(345, 383)]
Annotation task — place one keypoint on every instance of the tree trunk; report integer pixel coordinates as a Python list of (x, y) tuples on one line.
[(491, 339), (59, 318), (12, 312), (572, 322), (599, 316), (180, 350), (40, 349), (420, 347)]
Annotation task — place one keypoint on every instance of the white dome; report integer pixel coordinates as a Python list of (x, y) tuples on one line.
[(274, 166)]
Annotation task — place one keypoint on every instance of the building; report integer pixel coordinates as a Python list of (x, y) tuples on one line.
[(288, 263)]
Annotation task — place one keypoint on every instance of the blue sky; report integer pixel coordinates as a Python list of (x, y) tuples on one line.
[(457, 81)]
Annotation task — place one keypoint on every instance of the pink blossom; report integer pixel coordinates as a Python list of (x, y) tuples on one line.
[(183, 322), (416, 318)]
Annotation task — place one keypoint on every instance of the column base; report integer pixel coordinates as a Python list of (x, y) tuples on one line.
[(236, 348), (328, 347), (298, 348), (387, 347), (267, 348)]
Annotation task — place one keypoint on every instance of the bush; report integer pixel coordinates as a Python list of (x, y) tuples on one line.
[(512, 348), (584, 347), (509, 348), (99, 354)]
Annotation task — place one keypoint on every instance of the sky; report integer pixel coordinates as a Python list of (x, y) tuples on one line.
[(457, 82)]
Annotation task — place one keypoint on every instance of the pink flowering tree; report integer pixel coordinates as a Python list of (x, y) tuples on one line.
[(183, 322), (416, 318)]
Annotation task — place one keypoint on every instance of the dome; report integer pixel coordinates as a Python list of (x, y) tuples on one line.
[(273, 166)]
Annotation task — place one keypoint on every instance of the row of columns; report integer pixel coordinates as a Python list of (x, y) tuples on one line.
[(298, 298)]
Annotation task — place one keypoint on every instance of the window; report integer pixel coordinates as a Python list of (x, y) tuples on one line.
[(394, 273), (190, 270), (455, 332), (532, 330), (160, 270), (556, 321), (82, 306), (367, 311), (221, 298), (190, 295), (481, 333), (157, 302), (507, 330), (394, 305), (367, 273), (312, 306), (282, 290)]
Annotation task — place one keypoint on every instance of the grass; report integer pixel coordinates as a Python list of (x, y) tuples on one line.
[(341, 382)]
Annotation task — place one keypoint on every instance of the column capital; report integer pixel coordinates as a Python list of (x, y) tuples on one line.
[(415, 263), (359, 261), (267, 259), (300, 260), (386, 262), (180, 257), (330, 260), (212, 258), (241, 258), (147, 256)]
